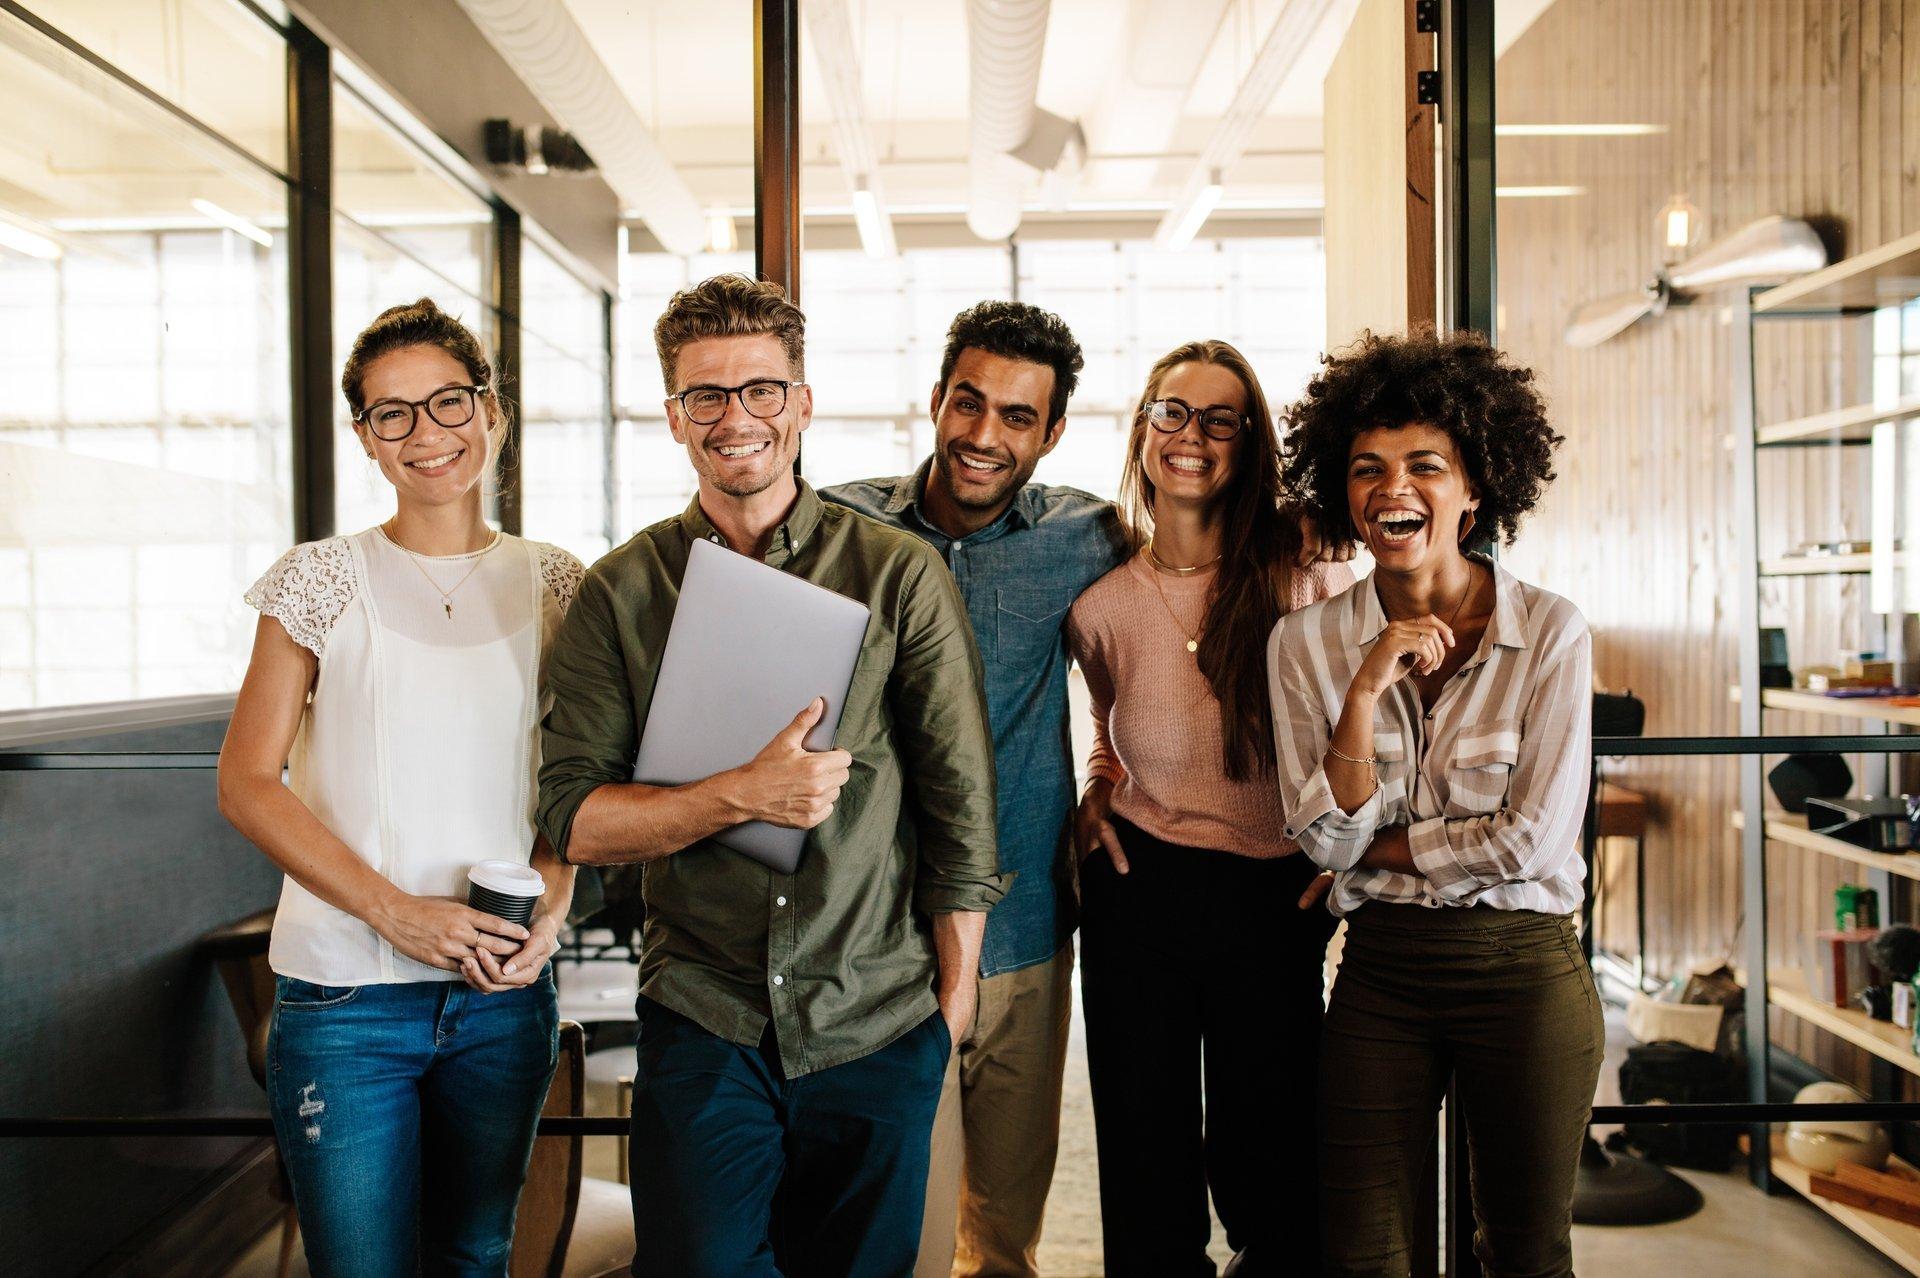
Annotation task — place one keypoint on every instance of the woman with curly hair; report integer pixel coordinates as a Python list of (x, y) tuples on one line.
[(1200, 981), (1432, 725)]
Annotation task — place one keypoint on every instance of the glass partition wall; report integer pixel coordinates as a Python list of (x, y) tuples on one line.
[(148, 432), (144, 435)]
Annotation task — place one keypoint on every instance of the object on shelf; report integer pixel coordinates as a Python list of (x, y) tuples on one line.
[(1869, 690), (1837, 966), (1876, 1001), (1774, 670), (1821, 549), (1856, 907), (1881, 824), (1820, 1144), (1893, 1194), (1895, 954), (1800, 777)]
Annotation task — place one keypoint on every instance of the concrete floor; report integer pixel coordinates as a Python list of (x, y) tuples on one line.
[(1738, 1234)]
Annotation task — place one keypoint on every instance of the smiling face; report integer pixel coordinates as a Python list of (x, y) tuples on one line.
[(740, 455), (1189, 467), (990, 428), (435, 464), (1407, 490)]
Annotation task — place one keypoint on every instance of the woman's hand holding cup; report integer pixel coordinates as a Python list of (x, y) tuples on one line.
[(442, 932)]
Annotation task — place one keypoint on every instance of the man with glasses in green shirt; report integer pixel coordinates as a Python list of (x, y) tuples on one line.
[(794, 1029)]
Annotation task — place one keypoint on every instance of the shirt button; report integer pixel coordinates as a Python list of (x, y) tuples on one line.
[(779, 900), (717, 539), (779, 980)]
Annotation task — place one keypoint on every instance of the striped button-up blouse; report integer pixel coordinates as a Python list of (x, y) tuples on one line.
[(1491, 782)]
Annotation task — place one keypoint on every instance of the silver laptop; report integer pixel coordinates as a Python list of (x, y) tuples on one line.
[(750, 647)]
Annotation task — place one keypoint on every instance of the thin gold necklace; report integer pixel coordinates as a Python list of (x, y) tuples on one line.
[(446, 595), (1165, 567)]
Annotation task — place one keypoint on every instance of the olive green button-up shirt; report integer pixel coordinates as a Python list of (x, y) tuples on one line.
[(838, 955)]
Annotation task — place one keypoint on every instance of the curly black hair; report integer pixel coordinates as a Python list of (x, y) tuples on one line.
[(1458, 383), (1015, 330)]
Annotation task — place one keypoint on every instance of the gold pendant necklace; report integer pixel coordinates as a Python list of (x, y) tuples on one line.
[(1193, 641), (446, 596)]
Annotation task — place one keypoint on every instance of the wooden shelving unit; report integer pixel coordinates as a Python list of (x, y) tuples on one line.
[(1815, 565), (1894, 1239), (1838, 422), (1791, 829), (1877, 709), (1885, 276), (1787, 990), (1849, 290)]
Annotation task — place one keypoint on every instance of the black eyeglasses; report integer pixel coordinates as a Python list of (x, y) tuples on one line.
[(705, 405), (394, 419), (1217, 421)]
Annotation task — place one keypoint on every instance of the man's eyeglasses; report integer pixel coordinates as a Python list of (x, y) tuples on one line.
[(1217, 421), (394, 419), (705, 405)]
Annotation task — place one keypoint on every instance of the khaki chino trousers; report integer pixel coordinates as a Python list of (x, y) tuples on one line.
[(998, 1127)]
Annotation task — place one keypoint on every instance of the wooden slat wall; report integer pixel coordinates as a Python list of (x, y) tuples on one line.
[(1804, 107)]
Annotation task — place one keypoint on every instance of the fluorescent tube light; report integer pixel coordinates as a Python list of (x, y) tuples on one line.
[(1578, 130), (873, 229), (233, 222), (1204, 201), (1538, 192), (21, 240)]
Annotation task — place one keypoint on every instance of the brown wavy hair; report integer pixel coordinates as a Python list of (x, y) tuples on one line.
[(1257, 544)]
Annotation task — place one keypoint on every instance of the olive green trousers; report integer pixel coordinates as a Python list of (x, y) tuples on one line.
[(1500, 1003)]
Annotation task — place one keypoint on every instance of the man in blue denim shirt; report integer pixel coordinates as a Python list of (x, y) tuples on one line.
[(1022, 553)]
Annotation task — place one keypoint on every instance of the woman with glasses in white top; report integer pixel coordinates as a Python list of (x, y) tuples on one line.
[(1432, 724), (397, 673)]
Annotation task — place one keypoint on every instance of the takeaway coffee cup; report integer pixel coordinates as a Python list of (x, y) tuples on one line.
[(505, 889)]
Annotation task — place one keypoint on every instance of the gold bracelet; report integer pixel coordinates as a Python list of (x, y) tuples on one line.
[(1334, 750)]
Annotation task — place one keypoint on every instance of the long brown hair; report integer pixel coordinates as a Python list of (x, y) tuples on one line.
[(1257, 550)]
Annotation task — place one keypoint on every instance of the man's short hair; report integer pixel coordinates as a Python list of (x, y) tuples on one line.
[(1015, 330), (730, 306)]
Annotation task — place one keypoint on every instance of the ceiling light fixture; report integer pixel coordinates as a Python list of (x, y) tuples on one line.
[(233, 222), (21, 240), (1679, 225), (722, 236), (876, 236), (1578, 130), (1195, 216), (1538, 192)]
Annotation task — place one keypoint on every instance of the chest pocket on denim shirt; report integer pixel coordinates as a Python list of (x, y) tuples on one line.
[(1027, 627), (1481, 765)]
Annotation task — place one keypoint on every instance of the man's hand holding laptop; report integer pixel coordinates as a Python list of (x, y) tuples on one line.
[(788, 784)]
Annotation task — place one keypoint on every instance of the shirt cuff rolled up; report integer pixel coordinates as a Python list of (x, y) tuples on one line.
[(968, 896), (1434, 856)]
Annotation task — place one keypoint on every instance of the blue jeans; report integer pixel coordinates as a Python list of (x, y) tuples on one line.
[(405, 1115), (741, 1172)]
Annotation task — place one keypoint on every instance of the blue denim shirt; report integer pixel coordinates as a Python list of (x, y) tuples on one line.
[(1019, 576)]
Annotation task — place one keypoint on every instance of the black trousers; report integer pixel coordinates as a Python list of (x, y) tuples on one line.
[(1201, 981)]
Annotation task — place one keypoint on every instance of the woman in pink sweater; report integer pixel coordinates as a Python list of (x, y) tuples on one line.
[(1200, 975)]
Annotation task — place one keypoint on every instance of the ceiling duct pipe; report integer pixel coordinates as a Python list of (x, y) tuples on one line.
[(544, 45), (1005, 39), (833, 47), (1271, 66)]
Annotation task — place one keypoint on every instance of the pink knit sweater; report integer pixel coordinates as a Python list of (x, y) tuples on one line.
[(1156, 720)]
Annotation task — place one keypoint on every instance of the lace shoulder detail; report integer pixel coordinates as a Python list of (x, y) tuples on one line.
[(307, 590), (561, 572)]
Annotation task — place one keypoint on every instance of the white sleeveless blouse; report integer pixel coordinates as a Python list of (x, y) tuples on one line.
[(419, 747)]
